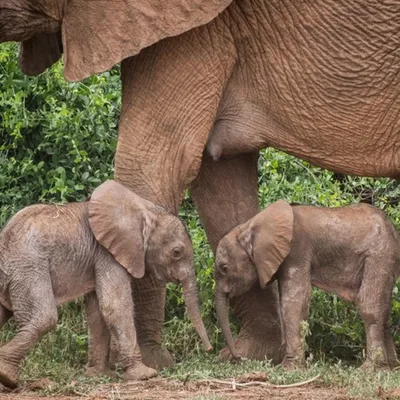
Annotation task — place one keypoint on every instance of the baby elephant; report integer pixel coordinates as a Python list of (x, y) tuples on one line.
[(352, 251), (52, 254)]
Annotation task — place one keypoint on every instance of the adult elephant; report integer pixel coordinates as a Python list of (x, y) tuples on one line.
[(318, 79)]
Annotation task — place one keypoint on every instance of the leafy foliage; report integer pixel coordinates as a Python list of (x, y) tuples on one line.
[(57, 142), (57, 139)]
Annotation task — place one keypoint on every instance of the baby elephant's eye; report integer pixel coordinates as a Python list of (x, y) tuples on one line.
[(223, 268), (176, 253)]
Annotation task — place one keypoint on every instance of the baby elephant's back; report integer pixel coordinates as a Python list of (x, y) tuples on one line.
[(370, 228), (53, 236), (356, 229)]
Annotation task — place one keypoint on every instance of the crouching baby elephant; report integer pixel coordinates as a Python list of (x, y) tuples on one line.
[(52, 254), (352, 251)]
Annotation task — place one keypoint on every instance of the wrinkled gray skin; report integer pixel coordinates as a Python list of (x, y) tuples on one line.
[(49, 255), (318, 79), (351, 251)]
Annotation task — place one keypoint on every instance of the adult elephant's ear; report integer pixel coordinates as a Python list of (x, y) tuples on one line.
[(98, 34), (40, 52), (267, 239), (121, 222)]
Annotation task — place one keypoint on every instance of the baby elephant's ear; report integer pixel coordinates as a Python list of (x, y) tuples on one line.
[(268, 238), (120, 221)]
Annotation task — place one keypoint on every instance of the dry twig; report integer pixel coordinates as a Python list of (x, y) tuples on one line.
[(235, 384)]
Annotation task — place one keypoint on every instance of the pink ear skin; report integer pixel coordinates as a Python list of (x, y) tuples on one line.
[(122, 222), (267, 239)]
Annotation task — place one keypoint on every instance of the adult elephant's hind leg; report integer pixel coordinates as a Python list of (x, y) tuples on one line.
[(225, 194)]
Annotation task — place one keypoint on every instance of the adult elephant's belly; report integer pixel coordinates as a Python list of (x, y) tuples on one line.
[(325, 86), (354, 146), (364, 141), (350, 132)]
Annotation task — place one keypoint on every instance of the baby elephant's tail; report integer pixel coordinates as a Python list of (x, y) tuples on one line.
[(395, 236)]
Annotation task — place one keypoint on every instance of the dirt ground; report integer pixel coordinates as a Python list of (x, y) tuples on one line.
[(195, 390), (174, 390)]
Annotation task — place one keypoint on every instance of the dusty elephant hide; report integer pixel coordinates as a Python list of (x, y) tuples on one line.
[(351, 251), (51, 254)]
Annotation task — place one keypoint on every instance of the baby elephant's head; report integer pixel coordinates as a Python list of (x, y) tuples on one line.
[(144, 237), (169, 254), (251, 251)]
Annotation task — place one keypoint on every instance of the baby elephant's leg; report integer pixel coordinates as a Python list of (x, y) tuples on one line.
[(99, 339), (113, 289), (374, 303), (295, 296), (35, 313)]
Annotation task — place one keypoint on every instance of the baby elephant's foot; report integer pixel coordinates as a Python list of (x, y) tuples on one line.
[(8, 374), (139, 372), (99, 371)]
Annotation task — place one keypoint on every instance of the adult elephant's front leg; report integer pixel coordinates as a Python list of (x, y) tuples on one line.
[(225, 194), (171, 93)]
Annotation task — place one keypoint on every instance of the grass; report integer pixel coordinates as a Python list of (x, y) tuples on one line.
[(61, 356), (67, 379), (354, 381)]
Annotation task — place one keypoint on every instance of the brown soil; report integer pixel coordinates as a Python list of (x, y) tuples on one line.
[(167, 390)]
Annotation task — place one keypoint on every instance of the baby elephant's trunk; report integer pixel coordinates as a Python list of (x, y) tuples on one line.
[(193, 307), (221, 304)]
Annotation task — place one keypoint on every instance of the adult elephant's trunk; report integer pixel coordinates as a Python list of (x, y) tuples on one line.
[(193, 307), (221, 302)]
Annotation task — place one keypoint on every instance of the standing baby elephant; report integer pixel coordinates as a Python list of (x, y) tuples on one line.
[(49, 255), (351, 251)]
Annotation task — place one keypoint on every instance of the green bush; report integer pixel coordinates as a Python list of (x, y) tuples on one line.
[(58, 141)]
